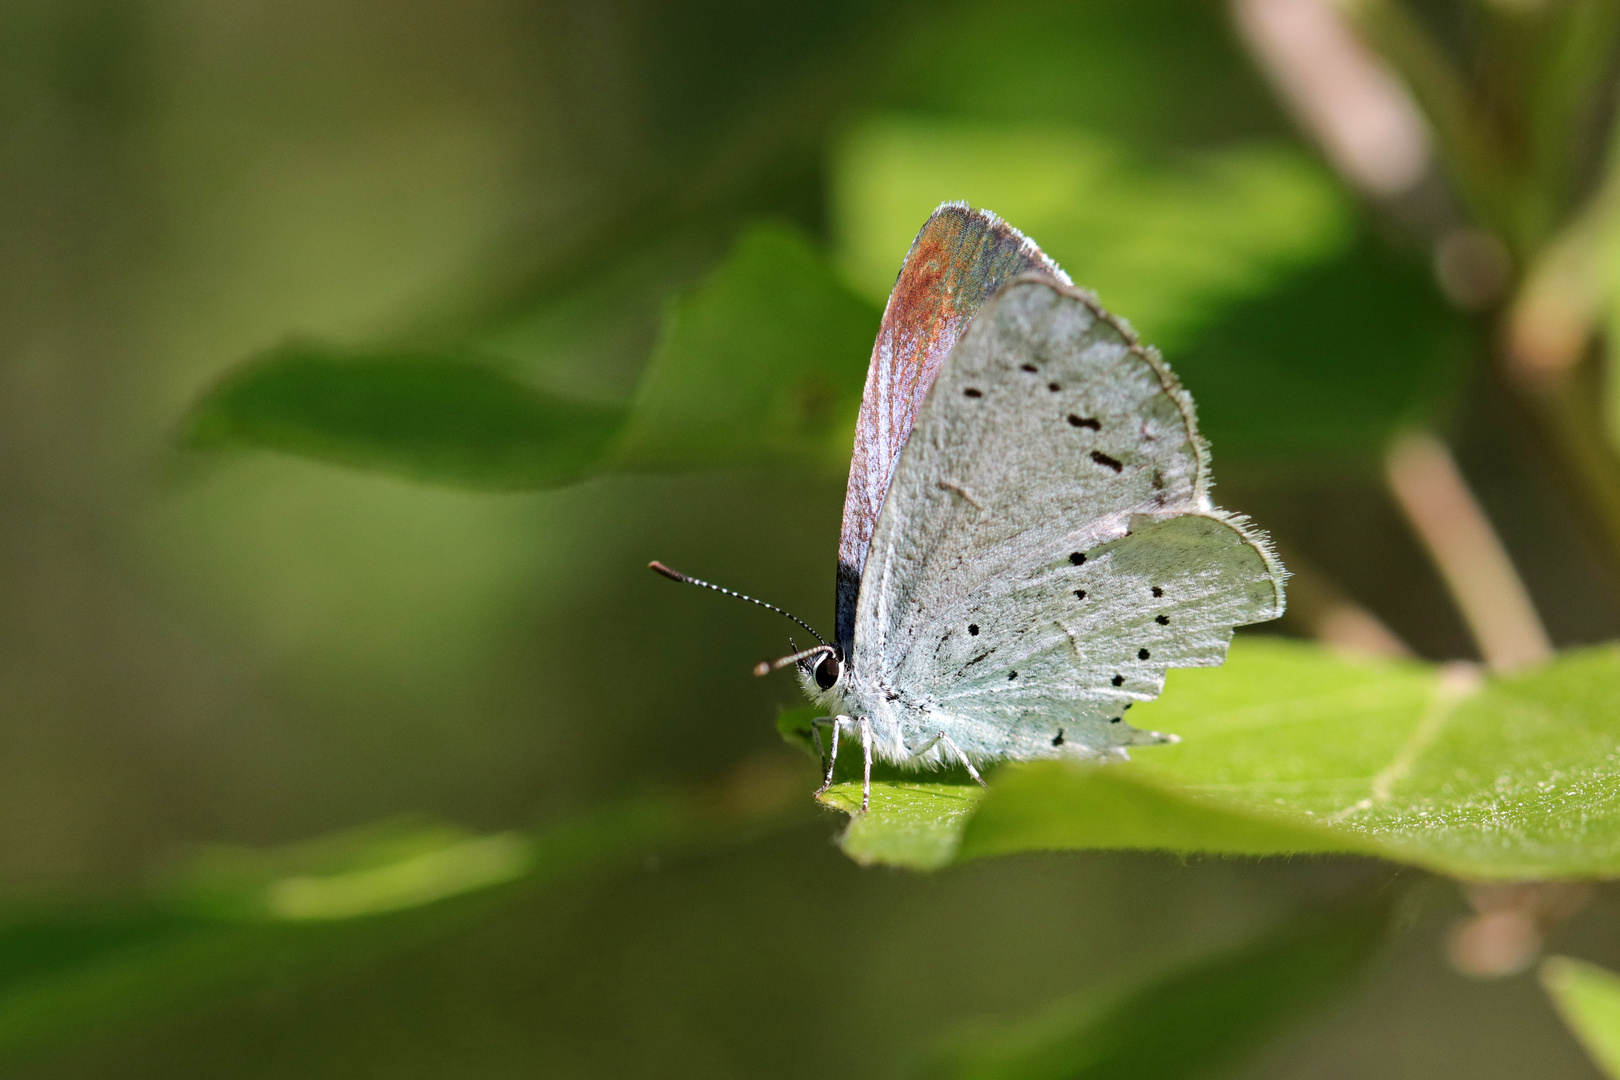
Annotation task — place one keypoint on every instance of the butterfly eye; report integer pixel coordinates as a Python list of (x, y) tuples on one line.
[(827, 672)]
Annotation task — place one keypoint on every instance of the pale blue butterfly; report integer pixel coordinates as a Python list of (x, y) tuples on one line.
[(1028, 540)]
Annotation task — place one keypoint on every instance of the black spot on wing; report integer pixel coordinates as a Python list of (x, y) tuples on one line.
[(973, 392), (1107, 462), (1142, 654), (1075, 420)]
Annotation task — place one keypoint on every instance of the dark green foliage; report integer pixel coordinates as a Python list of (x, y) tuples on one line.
[(1322, 371), (1188, 1023), (429, 417)]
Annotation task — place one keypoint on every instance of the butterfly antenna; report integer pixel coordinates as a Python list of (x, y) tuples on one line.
[(676, 575)]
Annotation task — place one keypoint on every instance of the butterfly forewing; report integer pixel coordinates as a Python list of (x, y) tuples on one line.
[(1047, 548), (959, 259)]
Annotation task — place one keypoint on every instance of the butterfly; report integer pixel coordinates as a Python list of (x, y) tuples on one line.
[(1028, 541)]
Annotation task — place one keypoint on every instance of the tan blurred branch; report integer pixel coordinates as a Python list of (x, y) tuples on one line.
[(1339, 92), (1475, 159), (1435, 497), (1504, 935)]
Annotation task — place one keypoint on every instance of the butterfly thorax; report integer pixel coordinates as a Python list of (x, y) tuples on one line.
[(902, 724)]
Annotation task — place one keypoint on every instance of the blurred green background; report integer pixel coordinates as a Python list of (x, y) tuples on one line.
[(206, 657)]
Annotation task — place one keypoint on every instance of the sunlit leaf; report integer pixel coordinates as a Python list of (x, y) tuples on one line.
[(762, 362), (1187, 1023), (1588, 998), (387, 866), (913, 823), (1166, 247), (425, 416), (1290, 748)]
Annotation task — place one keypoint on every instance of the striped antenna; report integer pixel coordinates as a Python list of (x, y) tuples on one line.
[(676, 575)]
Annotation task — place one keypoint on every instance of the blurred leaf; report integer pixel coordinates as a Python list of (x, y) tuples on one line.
[(387, 866), (35, 944), (1290, 748), (1298, 339), (1162, 74), (1328, 366), (229, 923), (1188, 1023), (1165, 246), (426, 416), (764, 361), (1588, 998), (587, 331)]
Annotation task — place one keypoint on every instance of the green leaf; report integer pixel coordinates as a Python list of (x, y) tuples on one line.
[(1052, 806), (911, 823), (1187, 1023), (764, 361), (425, 416), (1588, 998), (1290, 748)]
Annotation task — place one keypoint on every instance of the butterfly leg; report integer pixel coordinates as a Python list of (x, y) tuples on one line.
[(866, 751), (815, 733), (941, 737), (919, 751), (946, 739), (832, 755)]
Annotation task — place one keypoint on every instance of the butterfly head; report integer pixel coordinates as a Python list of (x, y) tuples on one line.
[(824, 677)]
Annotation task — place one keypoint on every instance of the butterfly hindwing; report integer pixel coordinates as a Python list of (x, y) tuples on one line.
[(1166, 595), (1047, 548)]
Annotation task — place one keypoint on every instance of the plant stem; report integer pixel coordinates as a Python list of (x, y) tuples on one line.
[(1476, 159), (1433, 493)]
